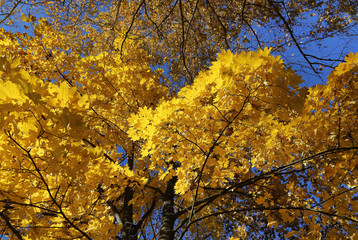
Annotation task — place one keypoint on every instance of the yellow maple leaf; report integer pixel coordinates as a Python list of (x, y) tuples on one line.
[(11, 91), (66, 93), (260, 200)]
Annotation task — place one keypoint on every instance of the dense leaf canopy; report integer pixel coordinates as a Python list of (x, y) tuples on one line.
[(185, 35), (96, 142)]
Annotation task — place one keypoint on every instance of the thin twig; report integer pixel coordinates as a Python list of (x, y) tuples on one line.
[(11, 11), (130, 27), (292, 35)]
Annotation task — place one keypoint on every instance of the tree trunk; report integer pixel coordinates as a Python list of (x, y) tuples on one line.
[(168, 219), (129, 231)]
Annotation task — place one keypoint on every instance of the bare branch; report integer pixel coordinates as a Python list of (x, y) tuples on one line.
[(11, 11), (291, 34)]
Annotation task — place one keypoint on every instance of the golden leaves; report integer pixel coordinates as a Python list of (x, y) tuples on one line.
[(224, 103), (351, 62), (10, 91), (64, 95), (261, 200), (61, 125), (247, 114), (239, 130)]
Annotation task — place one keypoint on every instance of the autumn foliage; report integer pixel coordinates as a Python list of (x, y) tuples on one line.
[(98, 145)]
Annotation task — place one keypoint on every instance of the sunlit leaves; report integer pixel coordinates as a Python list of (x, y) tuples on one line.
[(83, 137), (247, 119), (11, 91), (225, 101), (62, 118)]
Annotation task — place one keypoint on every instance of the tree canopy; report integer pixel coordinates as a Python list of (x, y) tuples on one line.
[(185, 36), (98, 142)]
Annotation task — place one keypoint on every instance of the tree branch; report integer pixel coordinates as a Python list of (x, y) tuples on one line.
[(291, 34), (9, 225), (48, 188)]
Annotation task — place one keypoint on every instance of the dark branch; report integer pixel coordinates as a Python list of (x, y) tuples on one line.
[(9, 225)]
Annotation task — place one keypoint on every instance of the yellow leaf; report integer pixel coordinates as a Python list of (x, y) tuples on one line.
[(290, 234), (11, 91), (260, 200), (129, 173), (65, 93)]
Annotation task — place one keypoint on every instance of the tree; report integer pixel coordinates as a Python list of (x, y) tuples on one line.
[(185, 36), (247, 144), (95, 145)]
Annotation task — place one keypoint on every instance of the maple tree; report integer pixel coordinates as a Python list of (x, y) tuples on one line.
[(96, 145), (186, 35)]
